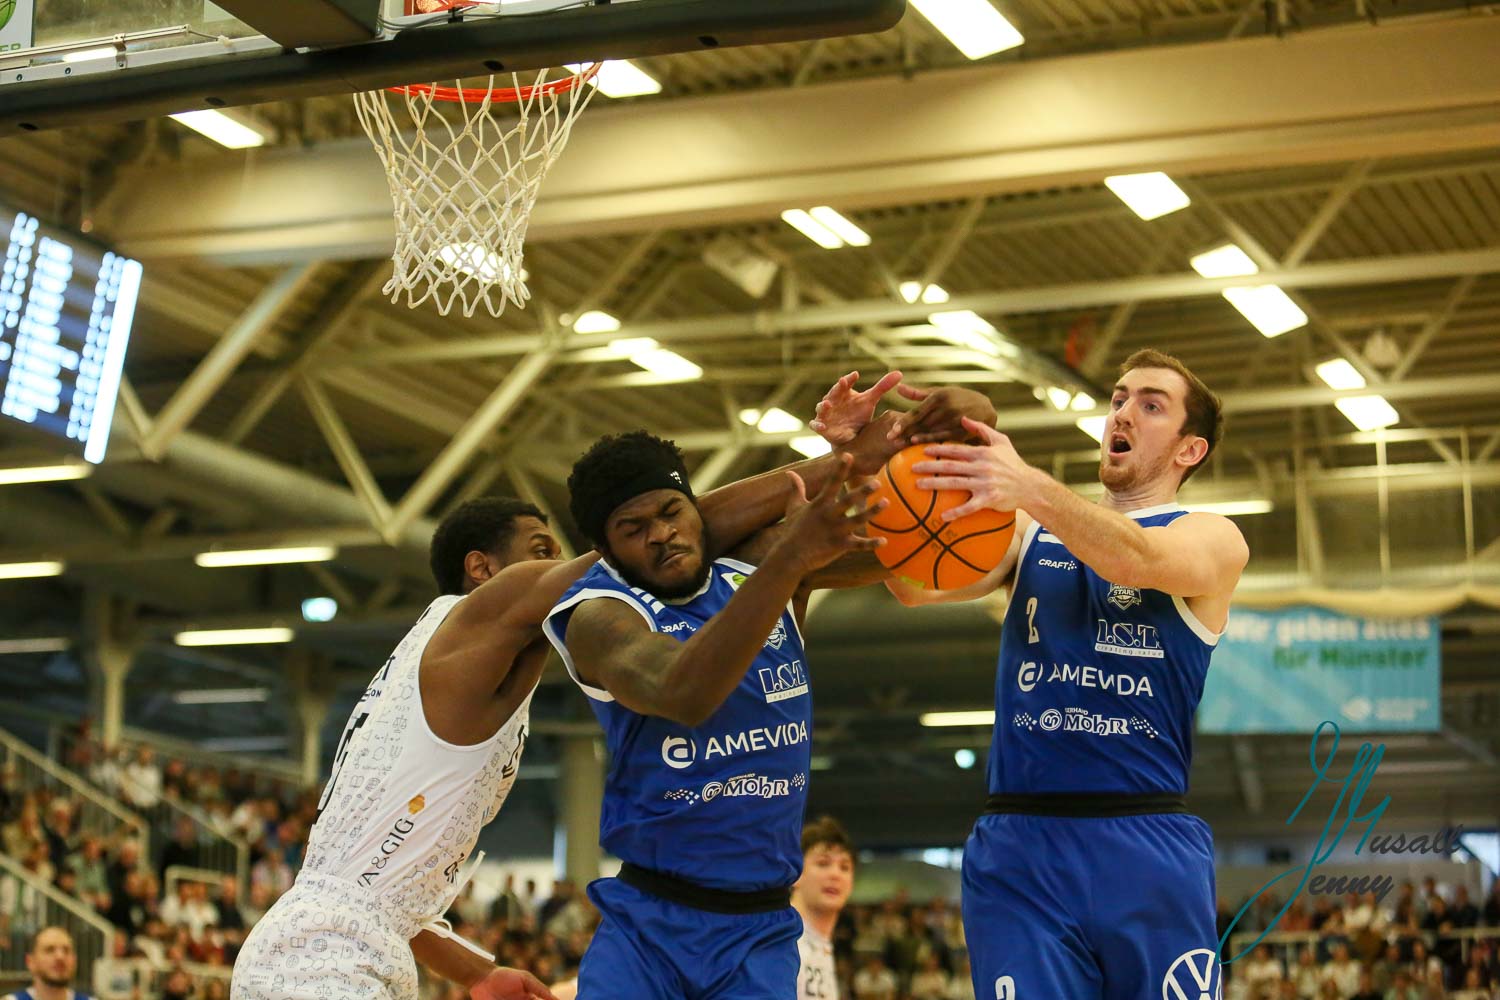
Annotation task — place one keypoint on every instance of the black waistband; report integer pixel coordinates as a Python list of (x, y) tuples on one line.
[(1081, 804), (700, 897)]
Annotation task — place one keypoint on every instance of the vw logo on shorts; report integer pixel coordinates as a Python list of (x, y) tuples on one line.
[(1196, 975), (678, 752), (1051, 720), (1029, 675)]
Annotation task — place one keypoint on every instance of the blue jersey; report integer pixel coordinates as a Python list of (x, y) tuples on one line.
[(1097, 683), (721, 804)]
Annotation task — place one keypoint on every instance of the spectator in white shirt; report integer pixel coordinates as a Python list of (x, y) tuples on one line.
[(141, 782), (961, 985), (190, 908), (929, 982), (1343, 970), (874, 981), (1263, 968)]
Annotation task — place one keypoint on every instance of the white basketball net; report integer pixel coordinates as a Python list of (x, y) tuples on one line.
[(464, 176)]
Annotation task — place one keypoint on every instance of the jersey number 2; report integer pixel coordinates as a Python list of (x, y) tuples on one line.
[(1031, 635)]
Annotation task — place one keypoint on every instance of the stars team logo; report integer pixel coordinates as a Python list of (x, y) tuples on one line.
[(778, 635), (1124, 598)]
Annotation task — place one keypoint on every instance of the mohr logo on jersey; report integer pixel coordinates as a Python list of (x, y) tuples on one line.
[(1126, 639), (678, 752), (786, 681), (756, 786), (1031, 674), (1124, 597), (755, 740)]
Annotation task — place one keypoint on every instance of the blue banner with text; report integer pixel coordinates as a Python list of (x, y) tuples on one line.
[(1289, 670)]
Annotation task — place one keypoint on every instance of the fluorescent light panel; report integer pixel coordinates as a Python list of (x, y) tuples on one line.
[(646, 354), (1340, 374), (232, 132), (1227, 261), (30, 570), (595, 321), (86, 54), (982, 718), (232, 636), (1059, 397), (1368, 413), (41, 644), (966, 328), (44, 473), (814, 230), (841, 227), (1268, 308), (621, 78), (1232, 508), (932, 294), (1082, 401), (810, 445), (974, 27), (1149, 195), (1092, 426), (222, 696), (266, 557)]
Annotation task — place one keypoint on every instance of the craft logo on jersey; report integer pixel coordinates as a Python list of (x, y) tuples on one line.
[(1123, 597), (1127, 639), (1031, 674), (1195, 975), (678, 752), (786, 681)]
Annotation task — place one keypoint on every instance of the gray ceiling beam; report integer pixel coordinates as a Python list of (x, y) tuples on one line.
[(223, 358)]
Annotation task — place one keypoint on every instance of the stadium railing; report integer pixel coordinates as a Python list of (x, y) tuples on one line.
[(98, 813)]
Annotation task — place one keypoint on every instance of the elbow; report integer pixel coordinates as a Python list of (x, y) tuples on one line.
[(685, 712)]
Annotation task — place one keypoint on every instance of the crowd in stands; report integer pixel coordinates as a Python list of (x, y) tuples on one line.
[(1399, 948), (1408, 946)]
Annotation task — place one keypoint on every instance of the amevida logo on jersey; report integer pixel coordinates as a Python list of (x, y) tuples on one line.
[(1031, 674), (680, 752)]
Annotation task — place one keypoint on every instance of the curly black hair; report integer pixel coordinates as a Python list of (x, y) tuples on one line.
[(617, 468), (483, 525)]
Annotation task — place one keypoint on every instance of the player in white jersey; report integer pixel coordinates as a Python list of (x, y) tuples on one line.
[(428, 757), (819, 896)]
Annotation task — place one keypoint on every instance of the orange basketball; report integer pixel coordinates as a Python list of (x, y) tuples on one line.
[(919, 546)]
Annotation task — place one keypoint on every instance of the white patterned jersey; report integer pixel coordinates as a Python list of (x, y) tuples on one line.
[(817, 979), (403, 808)]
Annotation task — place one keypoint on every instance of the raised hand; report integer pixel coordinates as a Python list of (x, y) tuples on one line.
[(842, 412), (993, 474), (941, 415), (510, 984), (820, 530)]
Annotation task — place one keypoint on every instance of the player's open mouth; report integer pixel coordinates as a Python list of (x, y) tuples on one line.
[(1118, 445)]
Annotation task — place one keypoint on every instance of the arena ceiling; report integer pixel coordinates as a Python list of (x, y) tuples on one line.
[(275, 396)]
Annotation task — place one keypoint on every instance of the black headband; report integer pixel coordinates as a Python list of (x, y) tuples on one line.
[(593, 512)]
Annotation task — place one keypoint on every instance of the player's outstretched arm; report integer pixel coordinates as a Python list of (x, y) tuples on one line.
[(459, 963), (653, 674), (1199, 555)]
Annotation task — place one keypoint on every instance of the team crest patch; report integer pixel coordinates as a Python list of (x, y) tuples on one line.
[(778, 635), (1124, 598)]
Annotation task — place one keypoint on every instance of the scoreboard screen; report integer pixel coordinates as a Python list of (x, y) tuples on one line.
[(65, 313)]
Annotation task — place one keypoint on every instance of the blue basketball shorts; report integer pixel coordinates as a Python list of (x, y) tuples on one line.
[(648, 948), (1118, 908)]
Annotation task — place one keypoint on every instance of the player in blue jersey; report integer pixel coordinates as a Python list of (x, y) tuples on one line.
[(1086, 878), (52, 962), (695, 668)]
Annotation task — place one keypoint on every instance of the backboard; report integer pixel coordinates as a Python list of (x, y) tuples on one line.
[(82, 62)]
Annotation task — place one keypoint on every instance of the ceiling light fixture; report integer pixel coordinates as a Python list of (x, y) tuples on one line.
[(45, 473), (265, 557), (1149, 195), (231, 128), (974, 27), (232, 636), (30, 570), (980, 718)]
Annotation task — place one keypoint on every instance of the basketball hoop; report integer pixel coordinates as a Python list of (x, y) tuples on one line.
[(465, 165)]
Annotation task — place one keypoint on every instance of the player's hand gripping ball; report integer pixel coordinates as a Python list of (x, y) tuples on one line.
[(920, 547)]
